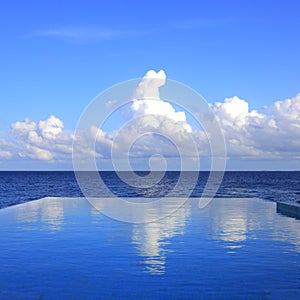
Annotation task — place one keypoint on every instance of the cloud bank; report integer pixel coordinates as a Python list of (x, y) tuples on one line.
[(273, 133)]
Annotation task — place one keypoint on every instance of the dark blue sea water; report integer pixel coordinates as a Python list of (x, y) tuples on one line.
[(19, 187)]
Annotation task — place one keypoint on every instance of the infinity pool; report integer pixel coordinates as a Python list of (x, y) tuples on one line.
[(63, 248)]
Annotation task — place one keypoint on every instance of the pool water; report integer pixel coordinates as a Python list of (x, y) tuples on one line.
[(63, 248)]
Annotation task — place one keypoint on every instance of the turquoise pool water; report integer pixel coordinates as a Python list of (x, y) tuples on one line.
[(62, 248)]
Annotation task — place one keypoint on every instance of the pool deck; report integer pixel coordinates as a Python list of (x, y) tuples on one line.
[(291, 209)]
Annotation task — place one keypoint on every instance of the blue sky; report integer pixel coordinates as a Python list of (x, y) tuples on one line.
[(58, 55)]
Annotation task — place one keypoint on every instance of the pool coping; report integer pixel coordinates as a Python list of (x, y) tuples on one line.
[(290, 209)]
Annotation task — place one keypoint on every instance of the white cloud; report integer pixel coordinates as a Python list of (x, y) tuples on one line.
[(24, 127), (250, 133), (148, 87), (148, 101), (5, 154), (44, 140), (154, 134), (233, 111), (81, 35), (158, 108), (51, 127), (34, 152), (156, 124), (6, 149)]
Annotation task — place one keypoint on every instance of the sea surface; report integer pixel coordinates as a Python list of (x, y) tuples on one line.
[(20, 187)]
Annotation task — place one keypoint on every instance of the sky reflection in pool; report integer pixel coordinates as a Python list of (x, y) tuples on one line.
[(63, 247)]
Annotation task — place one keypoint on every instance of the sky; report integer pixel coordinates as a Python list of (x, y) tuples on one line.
[(242, 57)]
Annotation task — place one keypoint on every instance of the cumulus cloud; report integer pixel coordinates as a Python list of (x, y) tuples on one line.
[(4, 154), (158, 128), (36, 153), (153, 134), (44, 140), (6, 149), (148, 102), (51, 128), (148, 87), (250, 133), (24, 127)]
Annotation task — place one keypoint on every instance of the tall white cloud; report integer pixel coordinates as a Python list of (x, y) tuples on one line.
[(148, 87)]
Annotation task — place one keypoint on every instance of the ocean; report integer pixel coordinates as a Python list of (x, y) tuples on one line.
[(20, 187)]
